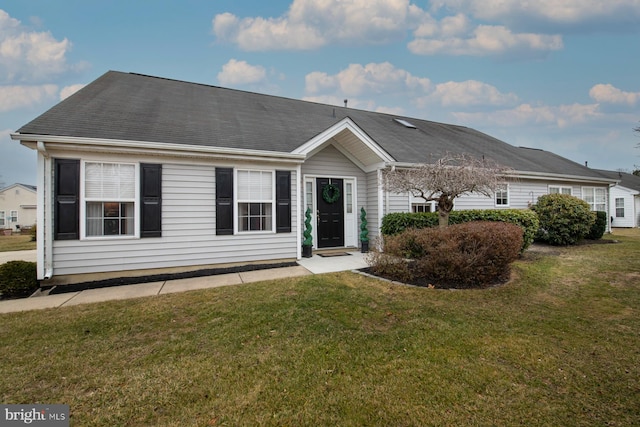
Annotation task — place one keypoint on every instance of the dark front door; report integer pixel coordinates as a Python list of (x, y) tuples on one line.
[(330, 212)]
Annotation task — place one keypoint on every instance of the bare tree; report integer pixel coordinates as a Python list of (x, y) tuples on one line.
[(446, 179)]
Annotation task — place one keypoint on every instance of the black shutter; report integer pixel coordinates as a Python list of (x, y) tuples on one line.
[(151, 198), (283, 201), (224, 201), (67, 199)]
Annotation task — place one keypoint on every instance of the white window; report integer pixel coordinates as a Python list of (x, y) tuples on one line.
[(2, 219), (418, 204), (619, 207), (255, 199), (555, 189), (502, 195), (109, 199), (596, 197), (308, 186), (13, 216), (349, 197)]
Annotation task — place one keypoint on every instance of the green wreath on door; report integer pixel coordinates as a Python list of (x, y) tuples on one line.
[(331, 193)]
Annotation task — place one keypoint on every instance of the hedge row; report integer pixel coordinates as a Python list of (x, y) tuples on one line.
[(395, 223)]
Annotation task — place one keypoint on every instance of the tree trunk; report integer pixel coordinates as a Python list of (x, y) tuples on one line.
[(445, 206), (443, 219)]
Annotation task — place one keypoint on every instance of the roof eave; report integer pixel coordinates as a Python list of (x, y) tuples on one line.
[(130, 146), (532, 175)]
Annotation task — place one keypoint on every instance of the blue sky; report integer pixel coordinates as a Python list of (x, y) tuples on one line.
[(560, 75)]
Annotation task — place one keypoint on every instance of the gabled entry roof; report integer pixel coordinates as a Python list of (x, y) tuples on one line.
[(134, 107)]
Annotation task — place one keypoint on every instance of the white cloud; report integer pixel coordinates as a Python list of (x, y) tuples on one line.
[(310, 24), (29, 55), (237, 72), (370, 79), (607, 93), (17, 97), (470, 93), (597, 14), (67, 91), (486, 40), (525, 114)]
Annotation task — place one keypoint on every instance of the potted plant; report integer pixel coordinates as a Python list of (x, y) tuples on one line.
[(307, 243), (364, 233)]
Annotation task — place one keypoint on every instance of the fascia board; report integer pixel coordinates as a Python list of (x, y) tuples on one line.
[(319, 140), (179, 150)]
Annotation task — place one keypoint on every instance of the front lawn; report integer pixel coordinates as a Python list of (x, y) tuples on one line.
[(558, 345), (16, 242)]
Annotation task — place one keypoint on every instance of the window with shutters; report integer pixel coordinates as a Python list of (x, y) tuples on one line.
[(109, 199), (255, 198)]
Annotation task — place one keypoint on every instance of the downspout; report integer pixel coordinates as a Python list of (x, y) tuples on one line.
[(299, 201), (44, 215)]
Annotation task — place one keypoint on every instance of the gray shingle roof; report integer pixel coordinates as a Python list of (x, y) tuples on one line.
[(143, 108), (627, 180)]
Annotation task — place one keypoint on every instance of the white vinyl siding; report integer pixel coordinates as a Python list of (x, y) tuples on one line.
[(624, 199), (188, 232)]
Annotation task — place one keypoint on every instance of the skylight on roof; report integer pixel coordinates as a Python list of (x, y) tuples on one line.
[(405, 123)]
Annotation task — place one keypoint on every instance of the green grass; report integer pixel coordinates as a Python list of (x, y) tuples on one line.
[(16, 242), (558, 345)]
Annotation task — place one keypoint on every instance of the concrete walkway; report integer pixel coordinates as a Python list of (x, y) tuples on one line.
[(314, 265)]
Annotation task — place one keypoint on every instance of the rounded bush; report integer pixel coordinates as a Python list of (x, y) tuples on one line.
[(599, 226), (473, 254), (18, 279), (564, 219)]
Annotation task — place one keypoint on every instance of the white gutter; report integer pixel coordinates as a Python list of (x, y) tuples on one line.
[(44, 231), (158, 148)]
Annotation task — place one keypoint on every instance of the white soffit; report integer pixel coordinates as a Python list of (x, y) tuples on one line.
[(348, 136)]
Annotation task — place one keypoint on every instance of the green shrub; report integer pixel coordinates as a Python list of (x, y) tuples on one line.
[(564, 219), (395, 223), (599, 226), (473, 254), (34, 233), (18, 279)]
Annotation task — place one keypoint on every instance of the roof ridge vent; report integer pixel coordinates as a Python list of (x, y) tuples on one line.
[(404, 123)]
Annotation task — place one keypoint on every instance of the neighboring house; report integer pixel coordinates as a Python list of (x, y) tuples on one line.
[(624, 202), (141, 173), (17, 207)]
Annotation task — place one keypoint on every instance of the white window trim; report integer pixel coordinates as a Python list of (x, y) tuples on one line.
[(593, 193), (12, 216), (236, 201), (619, 207), (417, 200), (560, 188), (495, 197), (136, 202)]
